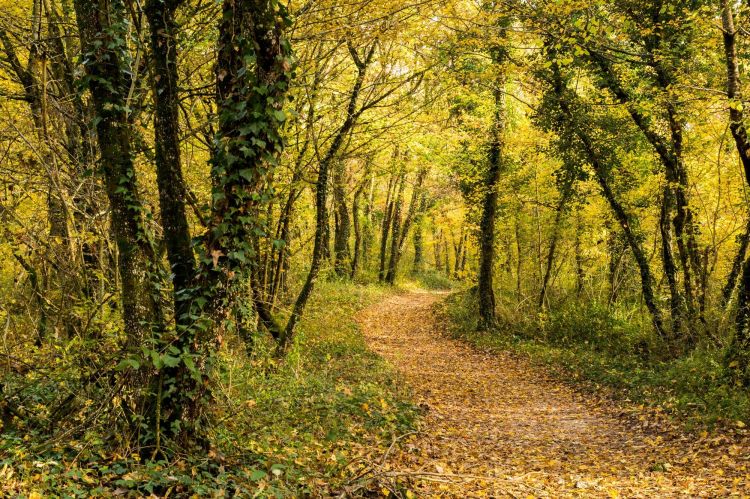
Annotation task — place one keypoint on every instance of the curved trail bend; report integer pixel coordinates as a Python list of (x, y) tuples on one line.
[(495, 426)]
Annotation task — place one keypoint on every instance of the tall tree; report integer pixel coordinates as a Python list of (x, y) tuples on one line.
[(171, 185), (485, 286), (102, 27), (342, 254)]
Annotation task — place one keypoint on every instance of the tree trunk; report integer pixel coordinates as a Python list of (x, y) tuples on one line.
[(738, 356), (284, 233), (321, 195), (580, 273), (616, 253), (676, 207), (418, 265), (446, 257), (172, 192), (411, 214), (462, 268), (342, 257), (387, 219), (357, 223), (437, 241), (519, 260), (743, 240), (564, 101), (45, 70), (676, 303), (368, 234), (98, 22), (419, 235), (559, 212), (487, 318), (390, 276)]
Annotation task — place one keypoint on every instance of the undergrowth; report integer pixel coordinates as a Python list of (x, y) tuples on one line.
[(611, 350), (433, 280), (304, 426)]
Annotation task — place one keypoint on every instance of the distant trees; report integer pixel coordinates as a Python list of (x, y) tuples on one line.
[(620, 106)]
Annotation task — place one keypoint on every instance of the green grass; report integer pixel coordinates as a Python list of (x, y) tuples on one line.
[(298, 427), (432, 279), (615, 353)]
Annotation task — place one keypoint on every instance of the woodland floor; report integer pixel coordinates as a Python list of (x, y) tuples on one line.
[(496, 426)]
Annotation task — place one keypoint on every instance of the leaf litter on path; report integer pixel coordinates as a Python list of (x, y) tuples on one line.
[(496, 426)]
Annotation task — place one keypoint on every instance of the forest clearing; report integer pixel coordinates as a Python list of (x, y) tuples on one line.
[(374, 248)]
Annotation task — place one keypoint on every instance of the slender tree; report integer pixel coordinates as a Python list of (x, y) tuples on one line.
[(487, 318)]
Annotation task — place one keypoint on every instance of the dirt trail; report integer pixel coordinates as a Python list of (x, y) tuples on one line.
[(497, 427)]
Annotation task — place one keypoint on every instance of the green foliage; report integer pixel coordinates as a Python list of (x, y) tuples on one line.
[(285, 428), (433, 279)]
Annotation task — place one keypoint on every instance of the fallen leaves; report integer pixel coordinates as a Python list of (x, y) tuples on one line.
[(496, 426)]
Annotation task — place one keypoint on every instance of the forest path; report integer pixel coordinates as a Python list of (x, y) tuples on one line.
[(495, 426)]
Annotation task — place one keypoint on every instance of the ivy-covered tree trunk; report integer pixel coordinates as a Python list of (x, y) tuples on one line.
[(172, 192), (252, 74), (342, 256), (485, 285), (253, 71), (162, 406), (102, 29)]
